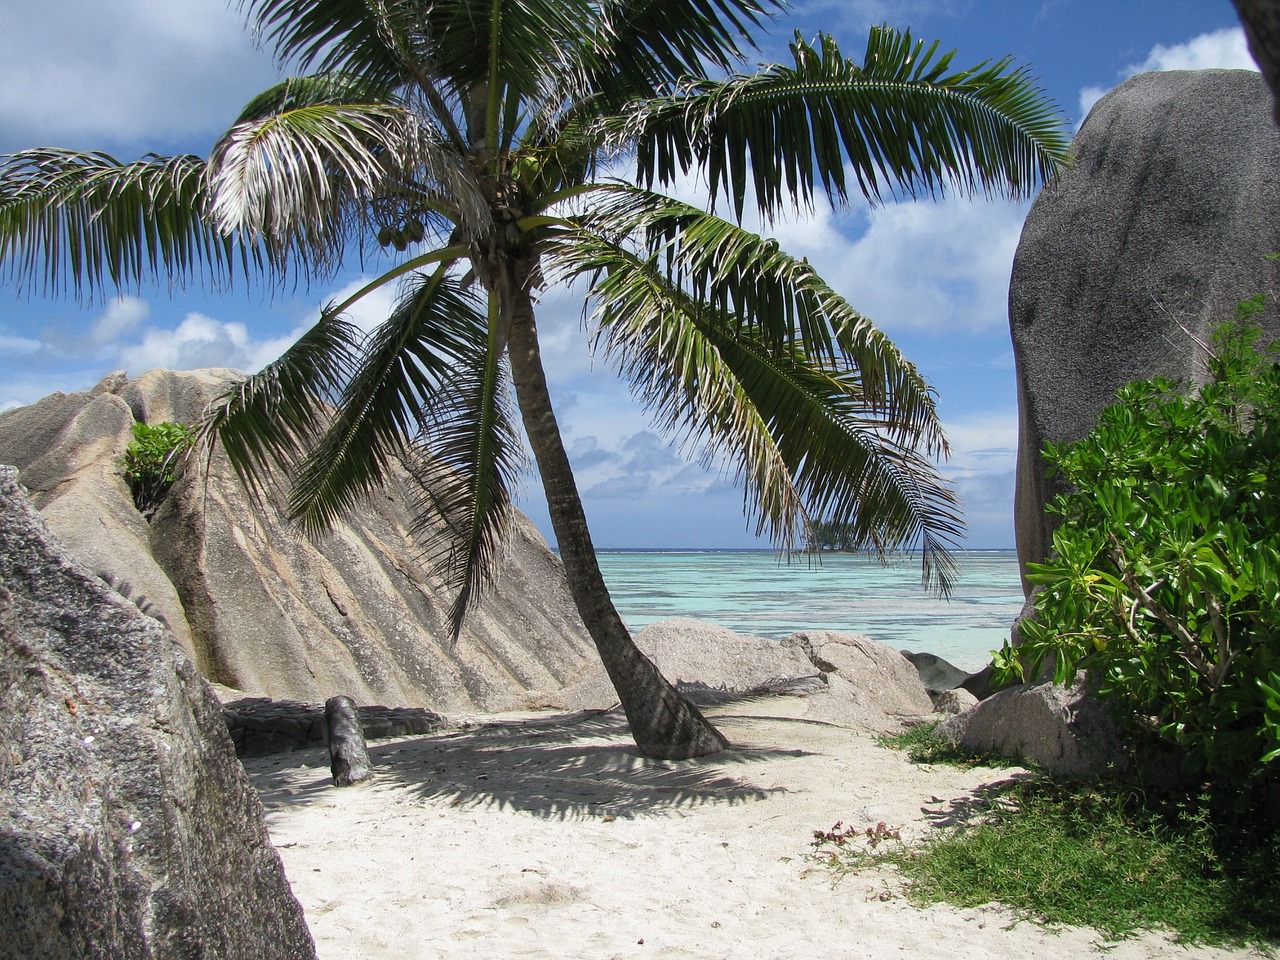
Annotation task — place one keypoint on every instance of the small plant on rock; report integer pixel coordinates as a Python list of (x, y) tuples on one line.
[(153, 460)]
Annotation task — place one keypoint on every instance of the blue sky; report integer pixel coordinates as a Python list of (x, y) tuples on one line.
[(168, 75)]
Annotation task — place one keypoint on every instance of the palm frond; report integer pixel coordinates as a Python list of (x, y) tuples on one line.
[(296, 179), (434, 331), (447, 47), (847, 465), (89, 220), (899, 120), (308, 161), (764, 293), (310, 90), (346, 36), (633, 50), (644, 48), (800, 434), (466, 458), (267, 422)]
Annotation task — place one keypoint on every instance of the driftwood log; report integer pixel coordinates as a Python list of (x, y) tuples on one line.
[(348, 755)]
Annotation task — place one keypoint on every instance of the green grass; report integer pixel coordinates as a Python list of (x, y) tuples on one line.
[(1102, 856), (921, 745)]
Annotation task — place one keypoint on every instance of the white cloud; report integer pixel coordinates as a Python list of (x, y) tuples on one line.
[(982, 442), (982, 470), (83, 73), (1225, 48), (18, 346), (121, 317), (940, 266), (1220, 49), (198, 341)]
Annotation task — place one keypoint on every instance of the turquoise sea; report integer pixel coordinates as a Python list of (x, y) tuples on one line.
[(757, 592)]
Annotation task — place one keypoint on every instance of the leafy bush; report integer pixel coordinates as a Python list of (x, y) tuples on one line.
[(1164, 581), (152, 461)]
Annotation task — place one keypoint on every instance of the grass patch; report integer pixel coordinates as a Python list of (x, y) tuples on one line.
[(1096, 856), (921, 744)]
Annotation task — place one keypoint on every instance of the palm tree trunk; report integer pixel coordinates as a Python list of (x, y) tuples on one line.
[(663, 723)]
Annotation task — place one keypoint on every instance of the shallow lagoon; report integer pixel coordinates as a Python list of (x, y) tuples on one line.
[(757, 592)]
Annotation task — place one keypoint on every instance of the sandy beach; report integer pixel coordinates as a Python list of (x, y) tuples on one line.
[(549, 837)]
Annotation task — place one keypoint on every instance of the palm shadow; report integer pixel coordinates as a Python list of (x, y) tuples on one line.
[(554, 767), (986, 803)]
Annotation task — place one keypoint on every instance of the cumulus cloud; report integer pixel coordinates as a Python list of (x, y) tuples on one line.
[(121, 317), (122, 337), (982, 472), (1224, 49), (198, 341), (982, 442), (86, 74), (11, 346), (928, 266)]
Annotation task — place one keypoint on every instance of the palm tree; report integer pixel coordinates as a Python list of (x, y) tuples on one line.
[(487, 141)]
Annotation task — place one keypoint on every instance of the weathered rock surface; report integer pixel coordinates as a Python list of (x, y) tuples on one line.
[(1062, 729), (1067, 731), (691, 651), (1138, 253), (871, 684), (263, 610), (127, 826), (935, 673), (846, 679), (954, 701), (1261, 19)]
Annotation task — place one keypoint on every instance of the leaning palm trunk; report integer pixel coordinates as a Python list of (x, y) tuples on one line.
[(663, 723)]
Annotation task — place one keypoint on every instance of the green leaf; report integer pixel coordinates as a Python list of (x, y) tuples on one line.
[(899, 121)]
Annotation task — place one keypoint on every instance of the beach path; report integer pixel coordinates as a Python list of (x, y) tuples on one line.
[(550, 837)]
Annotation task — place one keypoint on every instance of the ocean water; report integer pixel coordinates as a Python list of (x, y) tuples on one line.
[(757, 592)]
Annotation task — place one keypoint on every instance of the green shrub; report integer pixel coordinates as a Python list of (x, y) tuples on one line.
[(152, 460), (1164, 581)]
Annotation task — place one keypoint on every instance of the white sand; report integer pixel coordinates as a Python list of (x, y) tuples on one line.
[(552, 838)]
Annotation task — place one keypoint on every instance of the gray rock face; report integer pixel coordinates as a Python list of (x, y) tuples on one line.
[(846, 679), (696, 652), (127, 826), (262, 610), (1261, 19), (872, 684), (1140, 250), (1067, 731)]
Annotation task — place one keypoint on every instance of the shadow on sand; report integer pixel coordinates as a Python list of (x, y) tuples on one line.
[(554, 767)]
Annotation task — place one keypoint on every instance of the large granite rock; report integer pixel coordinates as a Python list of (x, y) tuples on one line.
[(127, 826), (871, 684), (1065, 730), (845, 679), (1261, 19), (1136, 254), (261, 609)]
